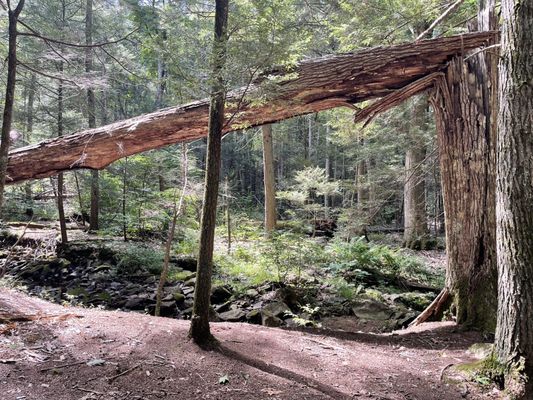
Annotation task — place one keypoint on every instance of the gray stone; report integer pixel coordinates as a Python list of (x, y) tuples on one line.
[(270, 321), (137, 302), (276, 309), (372, 310), (220, 294), (191, 282), (233, 315), (254, 316)]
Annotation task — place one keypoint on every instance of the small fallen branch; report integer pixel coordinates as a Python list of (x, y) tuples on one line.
[(433, 308), (112, 378), (87, 390), (443, 371), (63, 366)]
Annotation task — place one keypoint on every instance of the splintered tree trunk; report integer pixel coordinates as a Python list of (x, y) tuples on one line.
[(10, 97), (514, 193), (310, 87), (269, 180), (464, 107), (415, 219), (91, 115), (199, 330)]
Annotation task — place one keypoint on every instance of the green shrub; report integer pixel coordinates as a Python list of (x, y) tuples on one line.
[(134, 259)]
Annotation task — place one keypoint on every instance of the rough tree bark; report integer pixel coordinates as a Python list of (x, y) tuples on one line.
[(13, 15), (200, 331), (514, 194), (269, 180), (91, 116), (415, 219), (313, 86), (464, 107)]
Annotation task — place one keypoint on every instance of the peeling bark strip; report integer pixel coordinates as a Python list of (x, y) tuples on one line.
[(312, 86)]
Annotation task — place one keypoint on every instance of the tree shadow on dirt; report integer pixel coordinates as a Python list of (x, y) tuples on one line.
[(282, 373), (435, 338)]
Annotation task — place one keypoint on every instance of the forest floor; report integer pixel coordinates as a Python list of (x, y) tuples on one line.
[(48, 351)]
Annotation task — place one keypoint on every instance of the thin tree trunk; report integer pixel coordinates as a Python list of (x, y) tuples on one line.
[(91, 115), (464, 109), (124, 192), (514, 194), (28, 191), (176, 212), (80, 200), (60, 180), (327, 167), (269, 180), (309, 137), (415, 219), (228, 214), (10, 97), (200, 331)]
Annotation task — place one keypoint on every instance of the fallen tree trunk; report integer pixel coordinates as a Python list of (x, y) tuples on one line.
[(312, 86)]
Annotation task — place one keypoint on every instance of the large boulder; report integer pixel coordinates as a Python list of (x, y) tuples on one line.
[(186, 263), (233, 315), (137, 302), (220, 294), (372, 310)]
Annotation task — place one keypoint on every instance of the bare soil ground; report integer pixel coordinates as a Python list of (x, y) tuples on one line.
[(45, 348)]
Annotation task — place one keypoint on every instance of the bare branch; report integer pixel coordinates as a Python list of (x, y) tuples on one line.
[(34, 33), (442, 17), (58, 78)]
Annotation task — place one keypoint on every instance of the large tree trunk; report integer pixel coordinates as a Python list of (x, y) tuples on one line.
[(91, 116), (415, 218), (269, 180), (514, 205), (464, 109), (199, 330), (10, 97), (313, 86)]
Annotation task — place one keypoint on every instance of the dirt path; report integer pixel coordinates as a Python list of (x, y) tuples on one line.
[(151, 358)]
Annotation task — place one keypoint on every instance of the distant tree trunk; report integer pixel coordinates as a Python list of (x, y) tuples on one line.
[(228, 212), (415, 219), (514, 194), (91, 115), (80, 200), (60, 179), (28, 191), (309, 136), (269, 180), (327, 167), (199, 330), (10, 97), (464, 108), (124, 193), (161, 72)]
